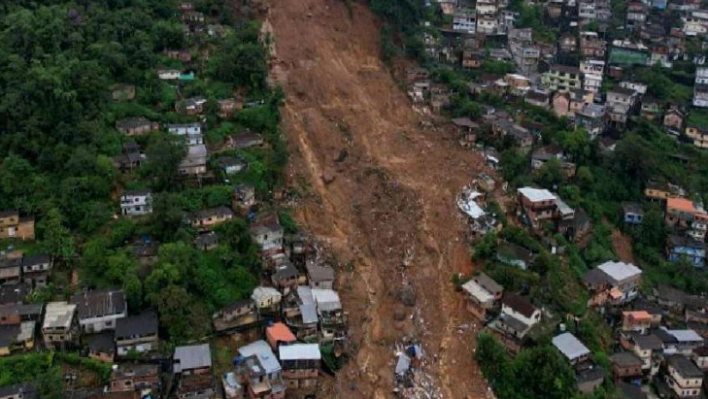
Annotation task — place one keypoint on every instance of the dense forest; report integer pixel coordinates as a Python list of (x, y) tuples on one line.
[(61, 63)]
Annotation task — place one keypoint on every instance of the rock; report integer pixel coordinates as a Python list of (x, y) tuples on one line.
[(343, 154), (407, 296), (328, 176)]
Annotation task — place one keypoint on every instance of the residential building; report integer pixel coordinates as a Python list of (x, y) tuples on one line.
[(144, 378), (260, 372), (673, 121), (688, 248), (645, 347), (232, 165), (245, 139), (266, 298), (184, 129), (99, 310), (10, 270), (515, 255), (60, 326), (194, 163), (683, 377), (613, 282), (136, 203), (682, 342), (241, 313), (686, 214), (36, 270), (538, 98), (19, 391), (266, 231), (206, 218), (695, 23), (17, 337), (637, 13), (191, 106), (633, 213), (279, 334), (591, 46), (483, 294), (14, 226), (464, 20), (206, 240), (137, 334), (101, 346), (572, 349), (638, 320), (228, 107), (301, 366), (539, 205), (193, 364), (136, 126), (244, 197), (592, 118), (319, 276), (562, 78), (625, 53), (626, 365), (520, 309), (697, 135), (517, 318)]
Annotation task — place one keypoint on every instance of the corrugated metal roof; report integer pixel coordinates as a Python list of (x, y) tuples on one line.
[(570, 346), (537, 194), (265, 355), (192, 357), (300, 352), (619, 271)]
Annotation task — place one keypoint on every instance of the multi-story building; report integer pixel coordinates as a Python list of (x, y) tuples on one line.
[(683, 377), (483, 294), (136, 202), (591, 46), (464, 20), (562, 78), (592, 118), (60, 326), (301, 366), (99, 310), (698, 135)]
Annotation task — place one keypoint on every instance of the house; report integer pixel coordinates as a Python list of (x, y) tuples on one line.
[(194, 163), (17, 337), (35, 270), (592, 71), (626, 53), (683, 247), (135, 377), (266, 231), (651, 109), (285, 275), (332, 317), (472, 59), (517, 317), (14, 226), (682, 342), (591, 117), (238, 314), (638, 320), (13, 294), (568, 43), (588, 377), (136, 126), (591, 46), (260, 371), (301, 365), (539, 205), (697, 135), (101, 347), (130, 159), (614, 282), (656, 191), (515, 255), (136, 203), (17, 313), (244, 197), (60, 325), (517, 84), (228, 107), (700, 357), (245, 139), (683, 377), (168, 74), (122, 92), (624, 278), (537, 98), (99, 310), (319, 276), (483, 294), (545, 154), (266, 298), (10, 270), (183, 129), (137, 334), (673, 121), (637, 13), (466, 130), (206, 240), (211, 217), (626, 365), (181, 55), (645, 347), (562, 78), (520, 309), (633, 213), (464, 20), (577, 228), (232, 165), (572, 349), (279, 334), (191, 106), (193, 364), (686, 214)]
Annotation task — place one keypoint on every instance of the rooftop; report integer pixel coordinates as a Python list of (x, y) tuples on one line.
[(59, 314), (518, 304), (140, 325), (99, 303), (625, 359), (619, 271), (300, 352), (537, 194), (685, 367), (192, 357), (570, 346), (265, 355)]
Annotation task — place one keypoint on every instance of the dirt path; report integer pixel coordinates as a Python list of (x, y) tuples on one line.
[(387, 204), (623, 246)]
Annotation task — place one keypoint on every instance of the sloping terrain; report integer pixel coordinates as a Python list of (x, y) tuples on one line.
[(379, 188)]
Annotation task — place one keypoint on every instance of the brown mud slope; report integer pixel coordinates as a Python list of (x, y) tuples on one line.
[(380, 189)]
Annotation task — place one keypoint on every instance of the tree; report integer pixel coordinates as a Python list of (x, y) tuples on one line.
[(56, 239), (542, 372), (167, 215), (182, 315), (164, 155)]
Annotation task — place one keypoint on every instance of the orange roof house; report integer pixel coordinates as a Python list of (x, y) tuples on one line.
[(279, 333)]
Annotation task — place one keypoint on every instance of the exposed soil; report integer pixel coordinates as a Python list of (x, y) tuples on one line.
[(623, 246), (380, 189)]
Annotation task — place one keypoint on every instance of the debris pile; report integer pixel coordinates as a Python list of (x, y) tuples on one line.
[(411, 379)]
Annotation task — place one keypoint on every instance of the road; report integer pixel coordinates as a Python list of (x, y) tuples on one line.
[(380, 189)]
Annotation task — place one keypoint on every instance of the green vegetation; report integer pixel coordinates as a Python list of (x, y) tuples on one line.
[(61, 61)]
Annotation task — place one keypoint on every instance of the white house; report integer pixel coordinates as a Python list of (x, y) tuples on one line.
[(168, 74), (99, 310), (520, 309), (266, 297), (136, 203), (186, 128)]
